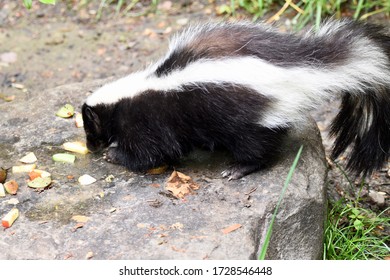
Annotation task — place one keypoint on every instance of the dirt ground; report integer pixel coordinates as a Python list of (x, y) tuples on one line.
[(49, 46)]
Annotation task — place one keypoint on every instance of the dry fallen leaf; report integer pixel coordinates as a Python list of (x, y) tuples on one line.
[(231, 228), (180, 184), (77, 226), (80, 218), (178, 249), (157, 170)]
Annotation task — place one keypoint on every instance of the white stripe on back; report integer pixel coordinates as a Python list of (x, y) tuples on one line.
[(294, 89)]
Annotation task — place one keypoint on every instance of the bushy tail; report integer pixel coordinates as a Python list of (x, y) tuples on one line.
[(364, 118)]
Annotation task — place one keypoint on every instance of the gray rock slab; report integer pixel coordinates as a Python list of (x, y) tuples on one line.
[(133, 216)]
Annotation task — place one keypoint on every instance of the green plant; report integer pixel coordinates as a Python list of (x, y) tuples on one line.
[(124, 7), (28, 3), (353, 233), (267, 239), (255, 7), (307, 10)]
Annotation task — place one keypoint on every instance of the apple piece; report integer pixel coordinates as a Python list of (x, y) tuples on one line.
[(79, 120), (65, 111), (86, 180), (77, 147), (2, 190), (29, 158), (11, 187), (23, 168)]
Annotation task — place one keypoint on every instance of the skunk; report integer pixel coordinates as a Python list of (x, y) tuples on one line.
[(242, 86)]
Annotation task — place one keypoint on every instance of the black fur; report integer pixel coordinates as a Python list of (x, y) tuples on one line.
[(369, 149), (158, 128)]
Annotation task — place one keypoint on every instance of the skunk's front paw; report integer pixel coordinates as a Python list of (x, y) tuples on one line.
[(239, 170), (113, 155)]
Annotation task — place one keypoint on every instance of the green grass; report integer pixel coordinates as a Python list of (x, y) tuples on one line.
[(301, 12), (267, 238), (354, 233), (126, 8), (306, 11)]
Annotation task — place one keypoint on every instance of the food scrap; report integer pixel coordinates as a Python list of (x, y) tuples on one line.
[(38, 173), (65, 111), (86, 180), (23, 168), (77, 147), (10, 218), (180, 184), (11, 187), (29, 158), (2, 190), (63, 157), (39, 183), (79, 120)]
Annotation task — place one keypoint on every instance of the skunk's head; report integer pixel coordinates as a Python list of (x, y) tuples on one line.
[(97, 126)]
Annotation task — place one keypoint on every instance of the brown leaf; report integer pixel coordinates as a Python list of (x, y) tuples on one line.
[(178, 249), (180, 184), (77, 226), (157, 170), (80, 218), (231, 228)]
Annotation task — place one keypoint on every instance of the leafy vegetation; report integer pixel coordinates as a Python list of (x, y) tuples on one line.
[(28, 3), (304, 11), (354, 233)]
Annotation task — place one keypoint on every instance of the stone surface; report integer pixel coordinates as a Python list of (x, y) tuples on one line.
[(131, 216)]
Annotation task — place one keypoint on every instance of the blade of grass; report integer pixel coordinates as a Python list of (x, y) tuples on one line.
[(358, 9), (119, 6), (286, 183), (27, 3), (318, 14)]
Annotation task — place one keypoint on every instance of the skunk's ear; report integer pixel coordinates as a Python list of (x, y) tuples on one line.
[(90, 115)]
